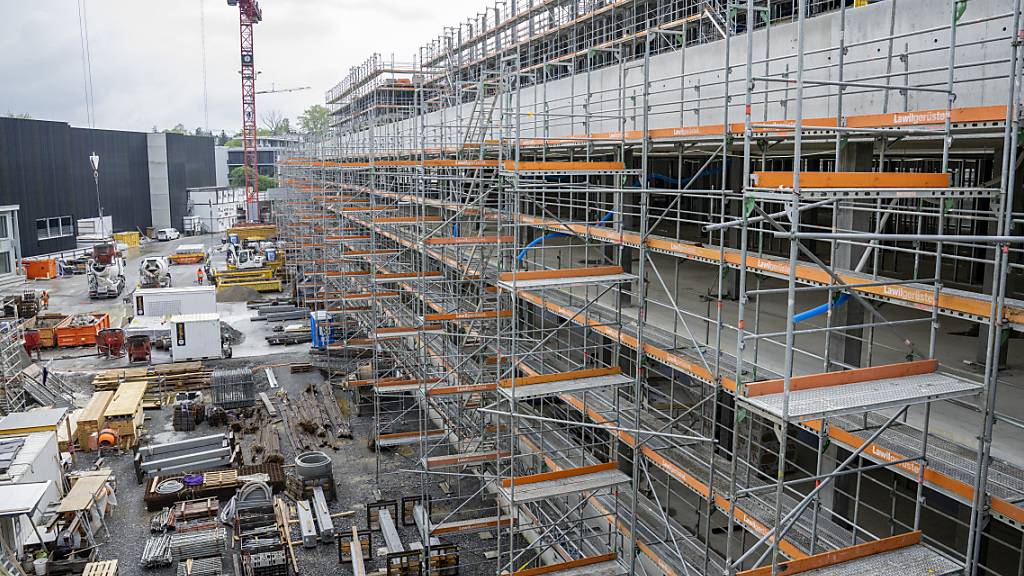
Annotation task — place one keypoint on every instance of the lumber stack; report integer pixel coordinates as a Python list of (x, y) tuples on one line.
[(178, 376)]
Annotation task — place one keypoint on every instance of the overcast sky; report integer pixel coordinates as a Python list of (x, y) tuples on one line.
[(147, 55)]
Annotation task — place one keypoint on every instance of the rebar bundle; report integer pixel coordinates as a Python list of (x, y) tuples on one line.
[(232, 389)]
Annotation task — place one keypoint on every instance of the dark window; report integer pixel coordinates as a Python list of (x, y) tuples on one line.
[(56, 227)]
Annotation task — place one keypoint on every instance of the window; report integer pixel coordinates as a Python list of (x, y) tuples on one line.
[(3, 227), (56, 227), (5, 262)]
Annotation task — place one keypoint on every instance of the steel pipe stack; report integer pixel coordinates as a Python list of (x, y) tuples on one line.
[(200, 544)]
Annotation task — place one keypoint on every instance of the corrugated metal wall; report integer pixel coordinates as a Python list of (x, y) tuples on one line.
[(190, 164), (44, 168)]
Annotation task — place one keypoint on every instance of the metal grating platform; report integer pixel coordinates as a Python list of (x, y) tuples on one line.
[(552, 283), (563, 486), (562, 386), (953, 460), (609, 568), (916, 560), (866, 396)]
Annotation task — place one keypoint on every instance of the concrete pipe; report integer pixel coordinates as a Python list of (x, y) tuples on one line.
[(313, 465)]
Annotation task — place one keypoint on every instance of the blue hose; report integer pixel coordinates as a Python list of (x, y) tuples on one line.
[(535, 241), (819, 310)]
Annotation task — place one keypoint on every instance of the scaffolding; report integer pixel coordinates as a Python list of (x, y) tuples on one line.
[(641, 288)]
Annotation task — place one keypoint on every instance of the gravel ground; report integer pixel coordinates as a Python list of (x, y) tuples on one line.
[(355, 468)]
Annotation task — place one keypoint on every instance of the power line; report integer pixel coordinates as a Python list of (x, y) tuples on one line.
[(86, 65), (202, 32)]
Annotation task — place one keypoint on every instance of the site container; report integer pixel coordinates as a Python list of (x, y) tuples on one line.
[(173, 301), (195, 337)]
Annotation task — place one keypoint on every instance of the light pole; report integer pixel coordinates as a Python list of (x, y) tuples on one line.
[(94, 160)]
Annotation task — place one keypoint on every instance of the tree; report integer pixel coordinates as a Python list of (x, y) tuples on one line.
[(314, 120), (179, 128), (274, 122), (222, 140), (19, 115), (237, 178)]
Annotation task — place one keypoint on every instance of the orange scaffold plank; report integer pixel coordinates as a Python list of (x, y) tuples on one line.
[(558, 567), (559, 474), (852, 180), (563, 273), (840, 377), (407, 219), (464, 316), (559, 377), (469, 240), (563, 166), (834, 557)]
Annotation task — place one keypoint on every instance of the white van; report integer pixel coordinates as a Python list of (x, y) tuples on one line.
[(165, 234)]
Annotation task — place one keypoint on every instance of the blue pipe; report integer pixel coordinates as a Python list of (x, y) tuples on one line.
[(535, 241), (819, 310)]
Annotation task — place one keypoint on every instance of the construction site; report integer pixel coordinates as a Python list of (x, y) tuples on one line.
[(578, 288)]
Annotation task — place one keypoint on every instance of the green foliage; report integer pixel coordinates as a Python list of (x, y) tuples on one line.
[(237, 178), (314, 120), (179, 128)]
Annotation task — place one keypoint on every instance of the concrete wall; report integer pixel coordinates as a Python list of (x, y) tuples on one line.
[(687, 85), (159, 192), (176, 163)]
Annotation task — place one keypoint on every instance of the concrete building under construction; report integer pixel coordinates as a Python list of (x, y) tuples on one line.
[(682, 287)]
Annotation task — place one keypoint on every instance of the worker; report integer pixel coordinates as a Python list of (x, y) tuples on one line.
[(199, 275), (44, 299)]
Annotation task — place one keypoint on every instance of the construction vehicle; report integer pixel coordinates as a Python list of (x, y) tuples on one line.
[(244, 258), (106, 280), (154, 272)]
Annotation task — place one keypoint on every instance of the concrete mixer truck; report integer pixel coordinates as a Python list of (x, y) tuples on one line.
[(154, 272), (106, 280)]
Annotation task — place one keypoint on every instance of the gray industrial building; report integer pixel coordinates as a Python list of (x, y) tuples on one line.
[(45, 170)]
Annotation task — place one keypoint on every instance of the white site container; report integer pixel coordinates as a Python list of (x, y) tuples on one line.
[(96, 226), (195, 337), (172, 301)]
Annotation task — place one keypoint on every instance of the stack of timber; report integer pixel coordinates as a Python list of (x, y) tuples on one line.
[(124, 412), (90, 421), (169, 377)]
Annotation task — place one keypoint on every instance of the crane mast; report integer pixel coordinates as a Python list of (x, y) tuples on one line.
[(249, 13)]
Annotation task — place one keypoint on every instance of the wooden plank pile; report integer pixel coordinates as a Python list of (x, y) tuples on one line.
[(178, 376), (313, 419)]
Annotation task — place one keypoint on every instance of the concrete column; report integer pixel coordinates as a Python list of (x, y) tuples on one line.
[(845, 346)]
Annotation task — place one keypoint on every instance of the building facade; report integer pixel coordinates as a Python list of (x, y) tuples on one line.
[(268, 148), (45, 170)]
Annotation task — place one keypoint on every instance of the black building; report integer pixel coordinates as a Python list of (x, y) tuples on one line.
[(44, 168)]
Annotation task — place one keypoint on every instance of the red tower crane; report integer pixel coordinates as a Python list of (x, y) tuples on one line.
[(249, 13)]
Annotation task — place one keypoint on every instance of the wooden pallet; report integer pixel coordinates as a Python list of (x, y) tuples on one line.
[(101, 568)]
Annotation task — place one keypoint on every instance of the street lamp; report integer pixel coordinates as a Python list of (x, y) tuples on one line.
[(94, 160)]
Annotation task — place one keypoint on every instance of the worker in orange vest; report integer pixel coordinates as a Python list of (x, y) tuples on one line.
[(44, 299), (199, 275)]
